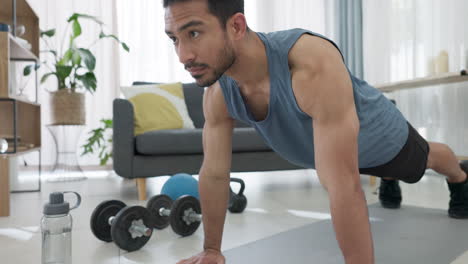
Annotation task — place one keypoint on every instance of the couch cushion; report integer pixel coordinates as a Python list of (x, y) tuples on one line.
[(189, 141), (158, 106), (194, 101)]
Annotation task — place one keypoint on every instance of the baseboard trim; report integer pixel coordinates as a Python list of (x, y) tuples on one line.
[(85, 168)]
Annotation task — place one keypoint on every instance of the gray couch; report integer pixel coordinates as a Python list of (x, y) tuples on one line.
[(166, 152)]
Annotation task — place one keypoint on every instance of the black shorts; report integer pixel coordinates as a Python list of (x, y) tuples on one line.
[(409, 164)]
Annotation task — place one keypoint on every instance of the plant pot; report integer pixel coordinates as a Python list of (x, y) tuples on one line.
[(67, 108)]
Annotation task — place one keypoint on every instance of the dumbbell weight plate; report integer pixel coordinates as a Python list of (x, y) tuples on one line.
[(184, 203), (122, 223), (154, 205), (100, 218)]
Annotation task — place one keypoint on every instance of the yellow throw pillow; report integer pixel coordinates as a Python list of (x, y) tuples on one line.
[(158, 107)]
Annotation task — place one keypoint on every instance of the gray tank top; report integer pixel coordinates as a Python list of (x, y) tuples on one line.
[(288, 130)]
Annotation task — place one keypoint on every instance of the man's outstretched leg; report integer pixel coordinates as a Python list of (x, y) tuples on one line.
[(442, 160), (409, 166)]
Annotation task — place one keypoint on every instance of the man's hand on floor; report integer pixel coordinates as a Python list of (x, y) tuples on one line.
[(208, 256)]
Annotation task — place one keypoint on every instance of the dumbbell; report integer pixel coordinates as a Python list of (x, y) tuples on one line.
[(237, 202), (184, 214), (128, 226)]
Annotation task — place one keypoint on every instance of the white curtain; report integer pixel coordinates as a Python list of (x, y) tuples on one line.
[(141, 25), (401, 40), (53, 14), (405, 35), (273, 15)]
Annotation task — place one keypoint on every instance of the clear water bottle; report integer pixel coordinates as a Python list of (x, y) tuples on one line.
[(56, 227)]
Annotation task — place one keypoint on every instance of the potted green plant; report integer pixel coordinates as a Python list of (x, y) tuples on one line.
[(74, 69), (100, 140)]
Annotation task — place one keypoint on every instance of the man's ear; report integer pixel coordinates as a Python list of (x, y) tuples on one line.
[(237, 26)]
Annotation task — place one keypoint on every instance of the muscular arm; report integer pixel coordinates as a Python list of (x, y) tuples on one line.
[(323, 90), (214, 173)]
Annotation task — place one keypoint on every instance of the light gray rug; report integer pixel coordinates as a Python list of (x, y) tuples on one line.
[(410, 235)]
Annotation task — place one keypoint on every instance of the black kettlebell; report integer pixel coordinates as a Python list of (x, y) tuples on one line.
[(237, 202)]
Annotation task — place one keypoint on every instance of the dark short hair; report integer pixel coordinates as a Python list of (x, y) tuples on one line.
[(222, 9)]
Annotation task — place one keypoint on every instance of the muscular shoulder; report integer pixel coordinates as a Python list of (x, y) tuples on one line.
[(320, 79), (214, 106), (312, 52)]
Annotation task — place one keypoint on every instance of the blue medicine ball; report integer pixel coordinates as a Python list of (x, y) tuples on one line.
[(181, 184)]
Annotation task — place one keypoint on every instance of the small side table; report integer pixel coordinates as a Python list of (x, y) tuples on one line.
[(66, 167)]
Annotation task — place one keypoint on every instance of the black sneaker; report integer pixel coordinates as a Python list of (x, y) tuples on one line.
[(458, 205), (390, 193)]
